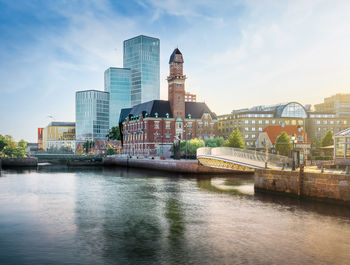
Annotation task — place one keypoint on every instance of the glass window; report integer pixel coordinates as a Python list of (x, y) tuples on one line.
[(294, 110), (156, 125)]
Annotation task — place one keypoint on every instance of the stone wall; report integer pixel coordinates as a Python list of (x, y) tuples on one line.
[(19, 162), (180, 166), (314, 185)]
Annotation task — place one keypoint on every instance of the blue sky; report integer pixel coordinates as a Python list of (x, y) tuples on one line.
[(237, 53)]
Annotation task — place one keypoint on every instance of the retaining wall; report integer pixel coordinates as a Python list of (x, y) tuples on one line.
[(323, 186), (180, 166), (19, 162)]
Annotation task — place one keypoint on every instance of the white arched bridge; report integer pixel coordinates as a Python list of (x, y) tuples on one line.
[(240, 159)]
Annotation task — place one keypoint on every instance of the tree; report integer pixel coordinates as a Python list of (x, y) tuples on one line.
[(110, 151), (327, 140), (190, 147), (315, 145), (215, 142), (114, 133), (235, 140), (3, 142), (87, 145), (283, 144)]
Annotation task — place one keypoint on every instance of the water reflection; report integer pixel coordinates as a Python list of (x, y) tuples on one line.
[(118, 216)]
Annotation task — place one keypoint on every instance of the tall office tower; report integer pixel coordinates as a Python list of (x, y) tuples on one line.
[(141, 55), (91, 115), (117, 84)]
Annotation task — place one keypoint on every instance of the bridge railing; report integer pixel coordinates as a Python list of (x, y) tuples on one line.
[(247, 155)]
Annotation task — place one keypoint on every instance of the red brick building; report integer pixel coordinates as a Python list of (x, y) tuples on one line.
[(151, 128)]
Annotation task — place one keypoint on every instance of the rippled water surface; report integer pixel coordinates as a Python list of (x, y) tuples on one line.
[(129, 216)]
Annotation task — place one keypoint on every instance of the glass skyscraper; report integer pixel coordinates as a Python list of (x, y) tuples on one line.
[(117, 83), (91, 115), (141, 55)]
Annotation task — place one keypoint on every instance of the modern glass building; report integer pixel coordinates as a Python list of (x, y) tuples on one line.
[(92, 115), (141, 55), (117, 84)]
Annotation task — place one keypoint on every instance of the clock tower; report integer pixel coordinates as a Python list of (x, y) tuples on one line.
[(176, 85)]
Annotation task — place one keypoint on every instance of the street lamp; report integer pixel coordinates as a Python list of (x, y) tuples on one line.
[(294, 141)]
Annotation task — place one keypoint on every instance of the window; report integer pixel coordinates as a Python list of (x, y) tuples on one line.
[(267, 122), (273, 121), (260, 122), (253, 129), (189, 125), (246, 122), (156, 125), (318, 122), (260, 129), (253, 121), (167, 125), (246, 128), (325, 122)]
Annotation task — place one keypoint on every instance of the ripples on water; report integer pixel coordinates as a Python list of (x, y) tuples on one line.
[(124, 216)]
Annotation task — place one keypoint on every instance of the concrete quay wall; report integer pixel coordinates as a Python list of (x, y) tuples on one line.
[(7, 162), (179, 166), (321, 186)]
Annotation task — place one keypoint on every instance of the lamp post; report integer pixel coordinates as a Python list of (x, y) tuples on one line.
[(294, 141)]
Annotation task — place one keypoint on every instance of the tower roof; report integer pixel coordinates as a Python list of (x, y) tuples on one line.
[(172, 56)]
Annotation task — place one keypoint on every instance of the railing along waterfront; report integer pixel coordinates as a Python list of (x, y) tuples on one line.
[(249, 157)]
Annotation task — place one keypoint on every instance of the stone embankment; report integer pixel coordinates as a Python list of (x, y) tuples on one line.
[(170, 165), (7, 162), (321, 186)]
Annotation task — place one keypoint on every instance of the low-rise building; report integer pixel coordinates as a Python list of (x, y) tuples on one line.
[(254, 120), (59, 135), (342, 147)]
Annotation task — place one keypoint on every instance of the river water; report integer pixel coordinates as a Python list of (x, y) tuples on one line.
[(120, 216)]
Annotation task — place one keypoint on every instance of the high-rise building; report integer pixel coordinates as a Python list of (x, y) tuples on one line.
[(117, 84), (150, 128), (141, 55), (92, 115)]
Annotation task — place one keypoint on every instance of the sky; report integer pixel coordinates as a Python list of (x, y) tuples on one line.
[(237, 53)]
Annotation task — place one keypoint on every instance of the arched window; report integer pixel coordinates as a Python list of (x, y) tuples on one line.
[(293, 110)]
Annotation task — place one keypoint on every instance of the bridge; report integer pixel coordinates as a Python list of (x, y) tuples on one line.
[(240, 159)]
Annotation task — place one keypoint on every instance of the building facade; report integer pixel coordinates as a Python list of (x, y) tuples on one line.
[(338, 104), (152, 127), (190, 97), (141, 55), (58, 135), (254, 120), (318, 123), (92, 115), (117, 83), (40, 138)]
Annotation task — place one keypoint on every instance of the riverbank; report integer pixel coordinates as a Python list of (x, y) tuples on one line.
[(170, 165), (318, 186), (7, 162)]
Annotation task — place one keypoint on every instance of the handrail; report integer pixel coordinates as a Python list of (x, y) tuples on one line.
[(249, 156)]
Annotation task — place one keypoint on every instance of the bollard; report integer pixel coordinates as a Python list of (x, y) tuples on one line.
[(300, 180), (347, 170), (322, 168)]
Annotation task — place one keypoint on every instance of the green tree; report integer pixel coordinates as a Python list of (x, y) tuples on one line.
[(315, 145), (327, 140), (87, 145), (114, 133), (283, 144), (191, 146), (235, 140), (3, 142), (22, 144), (215, 142), (110, 151)]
